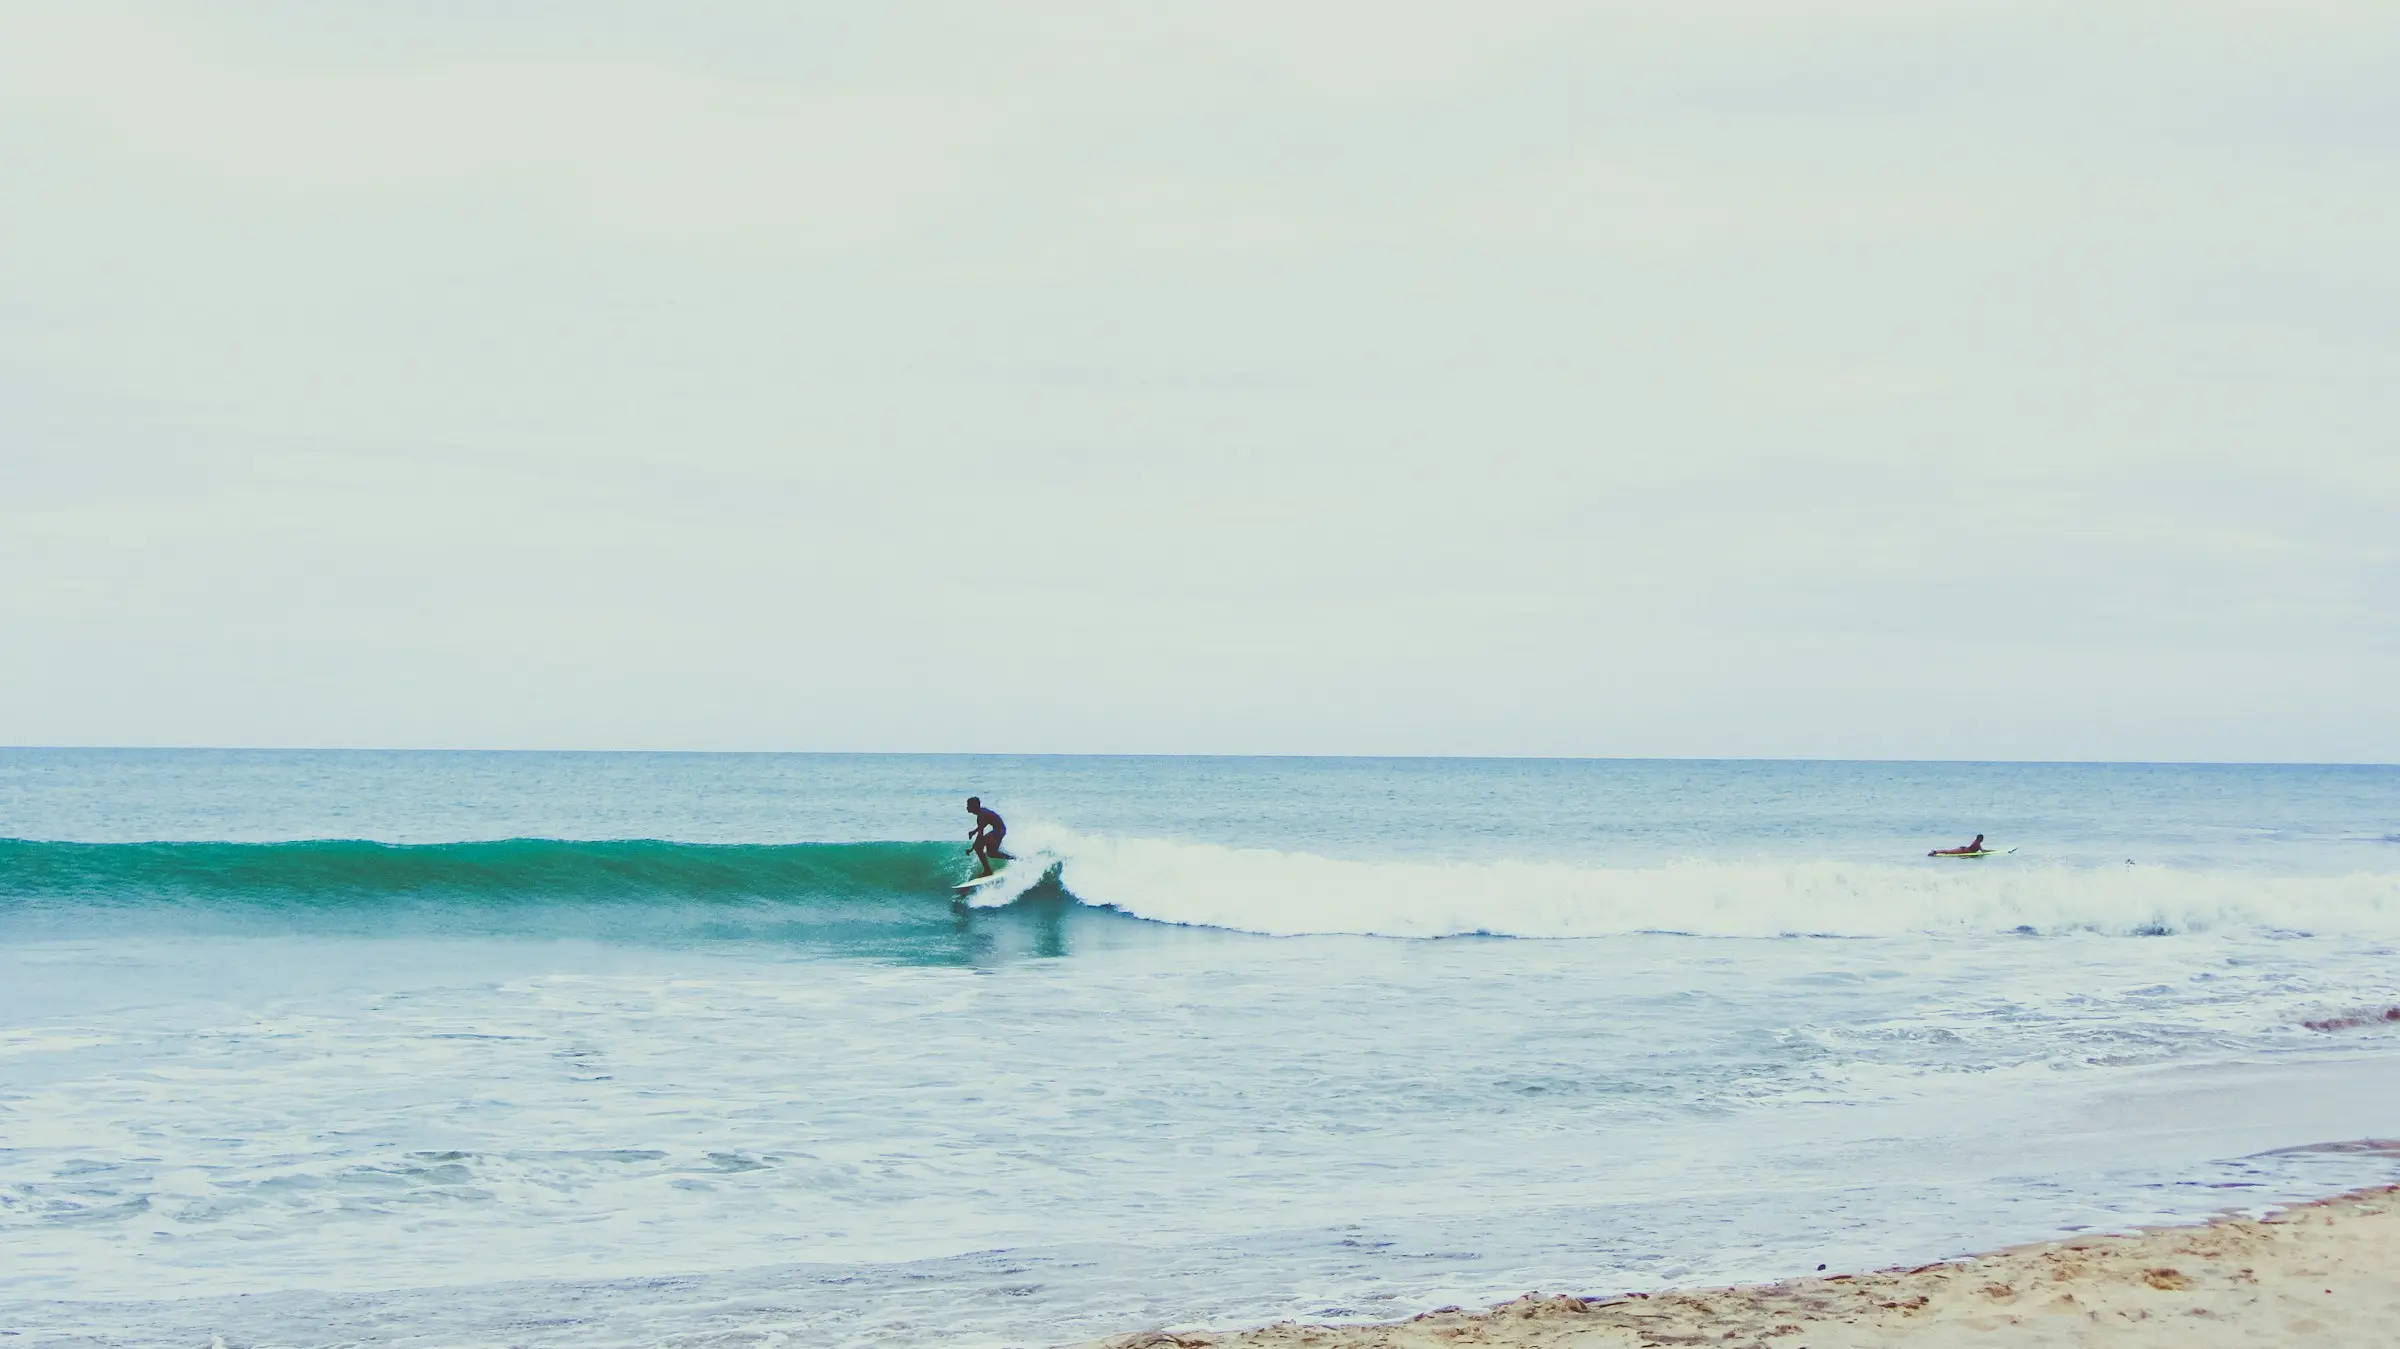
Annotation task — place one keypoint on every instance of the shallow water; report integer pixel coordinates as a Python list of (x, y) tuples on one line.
[(756, 1077)]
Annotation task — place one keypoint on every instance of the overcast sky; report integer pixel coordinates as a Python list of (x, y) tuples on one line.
[(1831, 379)]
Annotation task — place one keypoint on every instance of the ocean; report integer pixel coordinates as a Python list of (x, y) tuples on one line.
[(466, 1049)]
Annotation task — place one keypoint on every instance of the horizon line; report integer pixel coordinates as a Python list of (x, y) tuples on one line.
[(1191, 754)]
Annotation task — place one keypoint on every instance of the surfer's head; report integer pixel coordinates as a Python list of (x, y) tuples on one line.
[(1978, 842), (973, 802)]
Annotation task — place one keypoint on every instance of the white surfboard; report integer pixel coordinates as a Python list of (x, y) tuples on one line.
[(970, 886), (1987, 852)]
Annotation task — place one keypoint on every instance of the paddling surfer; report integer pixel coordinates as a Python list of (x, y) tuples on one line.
[(990, 829), (1970, 849)]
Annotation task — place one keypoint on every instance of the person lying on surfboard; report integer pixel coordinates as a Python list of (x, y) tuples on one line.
[(1975, 847), (990, 829)]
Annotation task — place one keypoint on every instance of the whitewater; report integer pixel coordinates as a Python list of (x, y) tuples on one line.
[(1285, 894), (643, 1049)]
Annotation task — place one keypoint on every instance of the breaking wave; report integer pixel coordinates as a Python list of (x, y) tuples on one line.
[(1254, 890)]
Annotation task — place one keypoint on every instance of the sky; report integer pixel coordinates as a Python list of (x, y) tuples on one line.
[(1892, 379)]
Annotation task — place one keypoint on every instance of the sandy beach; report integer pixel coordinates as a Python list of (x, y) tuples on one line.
[(2321, 1274)]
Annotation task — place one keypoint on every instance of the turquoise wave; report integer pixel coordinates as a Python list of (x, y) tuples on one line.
[(884, 901), (506, 871)]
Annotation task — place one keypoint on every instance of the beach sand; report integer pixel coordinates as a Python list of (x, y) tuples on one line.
[(2319, 1274)]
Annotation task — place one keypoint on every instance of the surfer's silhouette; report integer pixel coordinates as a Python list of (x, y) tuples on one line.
[(1975, 847), (990, 829)]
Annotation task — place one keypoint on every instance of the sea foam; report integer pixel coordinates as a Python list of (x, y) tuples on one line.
[(1291, 894)]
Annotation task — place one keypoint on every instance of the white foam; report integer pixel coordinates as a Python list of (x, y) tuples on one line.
[(1016, 878), (1291, 894)]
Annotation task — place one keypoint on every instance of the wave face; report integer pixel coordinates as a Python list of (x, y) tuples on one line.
[(331, 872), (1289, 894), (876, 901)]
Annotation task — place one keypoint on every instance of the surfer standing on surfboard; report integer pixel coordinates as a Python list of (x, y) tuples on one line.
[(990, 829), (1975, 847)]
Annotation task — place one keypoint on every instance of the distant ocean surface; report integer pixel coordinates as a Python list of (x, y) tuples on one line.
[(636, 1049)]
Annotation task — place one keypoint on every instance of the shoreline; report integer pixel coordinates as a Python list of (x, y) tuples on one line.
[(2324, 1272)]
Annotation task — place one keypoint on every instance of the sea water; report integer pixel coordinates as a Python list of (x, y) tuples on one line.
[(617, 1049)]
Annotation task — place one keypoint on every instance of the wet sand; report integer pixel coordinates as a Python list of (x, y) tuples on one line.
[(2323, 1274)]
